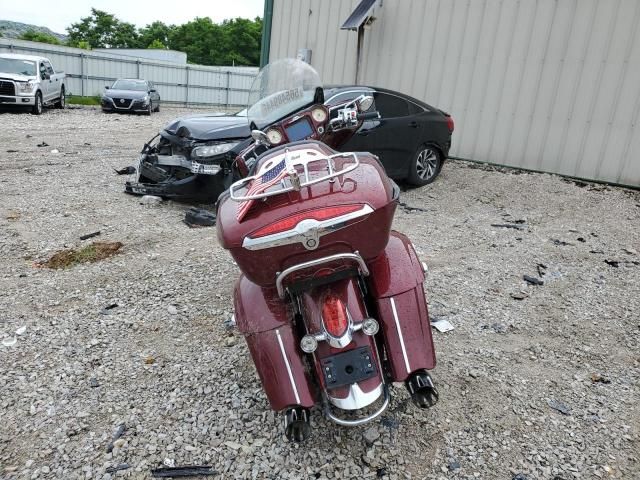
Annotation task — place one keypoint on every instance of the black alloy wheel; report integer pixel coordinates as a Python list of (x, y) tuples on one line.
[(426, 165)]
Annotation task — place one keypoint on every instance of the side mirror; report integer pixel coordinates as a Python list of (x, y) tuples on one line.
[(153, 90), (365, 103), (107, 87), (260, 137)]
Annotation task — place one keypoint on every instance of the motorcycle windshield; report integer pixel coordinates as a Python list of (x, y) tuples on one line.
[(280, 89)]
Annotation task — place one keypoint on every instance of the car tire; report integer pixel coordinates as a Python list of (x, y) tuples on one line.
[(425, 165), (62, 101), (38, 107), (149, 109), (157, 108)]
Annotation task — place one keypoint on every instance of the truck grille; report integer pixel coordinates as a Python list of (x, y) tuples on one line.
[(7, 88), (122, 102)]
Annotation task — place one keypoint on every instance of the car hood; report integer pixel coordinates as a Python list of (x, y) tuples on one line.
[(124, 94), (212, 126), (17, 77)]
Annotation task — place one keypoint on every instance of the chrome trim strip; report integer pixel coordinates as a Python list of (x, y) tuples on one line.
[(360, 421), (319, 261), (404, 349), (286, 362), (356, 398), (307, 232)]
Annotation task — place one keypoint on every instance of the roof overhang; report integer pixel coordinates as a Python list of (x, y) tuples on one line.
[(359, 16)]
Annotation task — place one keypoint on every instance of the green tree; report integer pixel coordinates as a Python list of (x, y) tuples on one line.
[(157, 45), (241, 41), (234, 41), (42, 37), (103, 30), (156, 32), (199, 39)]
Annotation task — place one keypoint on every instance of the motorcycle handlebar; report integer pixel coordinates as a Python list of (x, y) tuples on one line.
[(368, 115)]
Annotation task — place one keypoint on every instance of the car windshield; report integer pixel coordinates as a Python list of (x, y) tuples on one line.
[(138, 86), (14, 65)]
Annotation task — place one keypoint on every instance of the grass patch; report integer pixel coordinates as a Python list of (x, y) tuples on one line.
[(88, 254), (78, 100)]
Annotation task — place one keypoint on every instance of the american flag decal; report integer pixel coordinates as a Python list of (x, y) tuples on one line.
[(269, 175)]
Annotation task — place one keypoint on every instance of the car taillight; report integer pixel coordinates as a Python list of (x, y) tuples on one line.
[(450, 123), (334, 316), (320, 214)]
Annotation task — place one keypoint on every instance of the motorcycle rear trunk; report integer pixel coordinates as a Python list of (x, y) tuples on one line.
[(383, 283), (366, 186)]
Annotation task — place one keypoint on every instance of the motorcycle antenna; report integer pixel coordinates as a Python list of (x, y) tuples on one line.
[(319, 96)]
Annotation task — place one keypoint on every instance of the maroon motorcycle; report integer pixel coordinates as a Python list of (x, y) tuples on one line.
[(330, 299)]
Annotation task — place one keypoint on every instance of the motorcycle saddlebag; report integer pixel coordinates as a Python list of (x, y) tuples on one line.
[(264, 321), (396, 278)]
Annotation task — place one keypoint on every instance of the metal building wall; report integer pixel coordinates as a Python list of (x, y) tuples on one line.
[(551, 85), (89, 71)]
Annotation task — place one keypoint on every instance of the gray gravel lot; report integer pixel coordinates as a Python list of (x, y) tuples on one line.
[(544, 385)]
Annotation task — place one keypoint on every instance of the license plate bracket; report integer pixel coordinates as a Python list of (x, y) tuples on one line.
[(204, 168), (348, 367)]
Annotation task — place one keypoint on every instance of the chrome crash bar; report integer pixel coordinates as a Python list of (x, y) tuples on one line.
[(298, 158), (359, 421), (319, 261)]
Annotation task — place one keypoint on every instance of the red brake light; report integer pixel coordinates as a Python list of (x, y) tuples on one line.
[(290, 222), (334, 316), (450, 123)]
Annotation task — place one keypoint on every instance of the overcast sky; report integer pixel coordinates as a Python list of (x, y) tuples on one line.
[(59, 15)]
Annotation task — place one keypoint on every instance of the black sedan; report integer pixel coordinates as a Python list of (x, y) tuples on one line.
[(411, 138), (131, 95), (193, 156)]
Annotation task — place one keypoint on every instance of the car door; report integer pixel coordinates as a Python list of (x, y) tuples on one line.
[(45, 81), (54, 83), (155, 97), (393, 137)]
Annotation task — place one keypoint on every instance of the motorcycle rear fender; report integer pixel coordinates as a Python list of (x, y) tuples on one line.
[(348, 291), (264, 320), (396, 279)]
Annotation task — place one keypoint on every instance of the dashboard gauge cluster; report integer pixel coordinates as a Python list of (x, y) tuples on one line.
[(319, 114), (274, 136), (307, 124)]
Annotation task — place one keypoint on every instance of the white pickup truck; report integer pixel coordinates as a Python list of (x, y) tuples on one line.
[(26, 80)]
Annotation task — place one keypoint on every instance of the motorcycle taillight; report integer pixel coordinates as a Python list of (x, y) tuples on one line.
[(319, 214), (334, 316)]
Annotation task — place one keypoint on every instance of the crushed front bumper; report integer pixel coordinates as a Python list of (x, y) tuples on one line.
[(178, 178)]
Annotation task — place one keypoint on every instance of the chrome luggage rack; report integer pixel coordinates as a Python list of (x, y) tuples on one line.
[(297, 167)]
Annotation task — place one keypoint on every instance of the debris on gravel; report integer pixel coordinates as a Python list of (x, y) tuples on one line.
[(94, 252), (200, 401)]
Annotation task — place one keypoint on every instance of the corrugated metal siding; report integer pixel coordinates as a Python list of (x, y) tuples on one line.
[(550, 85), (316, 24), (89, 71)]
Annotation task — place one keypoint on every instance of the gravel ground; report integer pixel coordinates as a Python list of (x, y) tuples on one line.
[(540, 386)]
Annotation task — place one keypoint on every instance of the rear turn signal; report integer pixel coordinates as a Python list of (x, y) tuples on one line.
[(319, 214), (334, 316)]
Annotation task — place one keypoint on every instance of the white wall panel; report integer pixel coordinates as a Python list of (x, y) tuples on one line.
[(551, 85)]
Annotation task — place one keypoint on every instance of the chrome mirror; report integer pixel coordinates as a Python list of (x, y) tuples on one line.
[(260, 137), (365, 103)]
